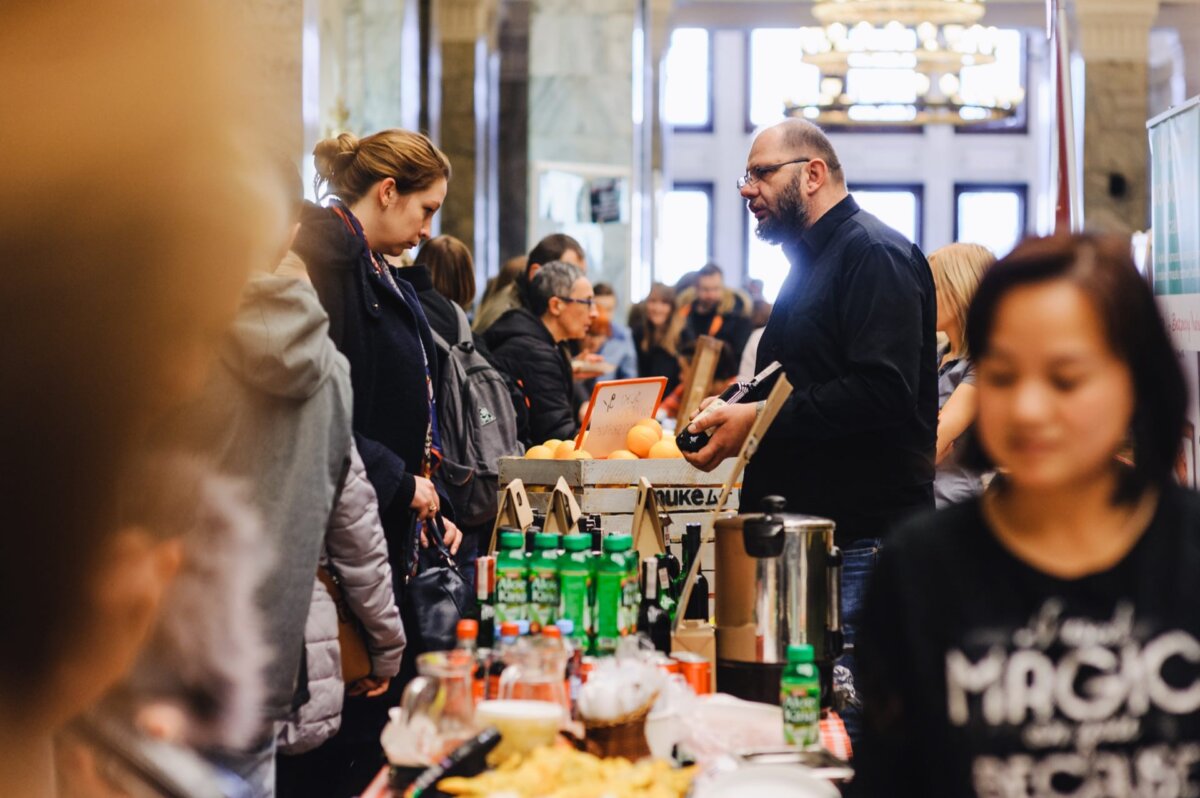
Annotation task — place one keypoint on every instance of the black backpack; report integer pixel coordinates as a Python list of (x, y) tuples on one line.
[(478, 426)]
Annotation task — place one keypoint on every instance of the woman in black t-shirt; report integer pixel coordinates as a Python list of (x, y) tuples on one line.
[(1044, 640)]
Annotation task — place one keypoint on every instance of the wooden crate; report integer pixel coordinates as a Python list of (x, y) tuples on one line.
[(608, 488)]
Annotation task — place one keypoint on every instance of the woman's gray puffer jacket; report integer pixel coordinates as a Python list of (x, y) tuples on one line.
[(357, 552)]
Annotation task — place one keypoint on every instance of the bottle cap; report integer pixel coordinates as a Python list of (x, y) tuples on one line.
[(801, 653), (523, 627), (467, 629), (546, 540), (551, 631), (577, 542), (565, 626), (511, 539), (509, 629), (618, 542)]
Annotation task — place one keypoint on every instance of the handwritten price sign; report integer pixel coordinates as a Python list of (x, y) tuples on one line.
[(615, 407)]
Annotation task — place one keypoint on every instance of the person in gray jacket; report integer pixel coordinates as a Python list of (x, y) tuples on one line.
[(277, 414)]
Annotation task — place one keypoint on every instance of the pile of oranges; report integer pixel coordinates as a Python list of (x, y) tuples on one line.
[(644, 440)]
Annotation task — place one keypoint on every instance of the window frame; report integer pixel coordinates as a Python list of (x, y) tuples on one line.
[(997, 128), (916, 189), (748, 54), (708, 127), (708, 188), (1020, 189)]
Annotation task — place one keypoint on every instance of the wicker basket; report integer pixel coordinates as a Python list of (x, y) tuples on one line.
[(623, 736)]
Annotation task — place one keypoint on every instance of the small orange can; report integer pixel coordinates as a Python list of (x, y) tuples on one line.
[(666, 664), (696, 670)]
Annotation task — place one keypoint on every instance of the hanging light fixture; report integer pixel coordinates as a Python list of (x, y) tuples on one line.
[(922, 44)]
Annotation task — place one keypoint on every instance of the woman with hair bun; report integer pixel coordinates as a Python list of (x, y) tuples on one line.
[(383, 191)]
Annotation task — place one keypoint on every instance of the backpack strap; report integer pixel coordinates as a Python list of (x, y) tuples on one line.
[(464, 324)]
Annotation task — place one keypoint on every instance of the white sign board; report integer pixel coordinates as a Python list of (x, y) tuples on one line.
[(615, 407)]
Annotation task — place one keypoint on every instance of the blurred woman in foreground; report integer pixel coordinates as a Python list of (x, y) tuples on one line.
[(1047, 634), (131, 210)]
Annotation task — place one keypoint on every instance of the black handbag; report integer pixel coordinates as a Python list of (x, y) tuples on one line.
[(437, 597)]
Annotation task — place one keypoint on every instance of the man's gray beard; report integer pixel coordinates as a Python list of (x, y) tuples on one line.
[(791, 221)]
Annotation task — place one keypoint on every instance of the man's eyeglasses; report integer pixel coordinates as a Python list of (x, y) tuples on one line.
[(589, 301), (756, 173)]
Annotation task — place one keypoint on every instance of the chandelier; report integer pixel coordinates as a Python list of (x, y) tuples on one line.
[(900, 63)]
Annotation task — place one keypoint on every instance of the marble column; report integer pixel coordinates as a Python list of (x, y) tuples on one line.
[(513, 133), (1114, 38), (276, 28), (587, 106), (467, 32)]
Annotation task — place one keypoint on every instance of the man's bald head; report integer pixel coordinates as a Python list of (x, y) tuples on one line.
[(800, 135)]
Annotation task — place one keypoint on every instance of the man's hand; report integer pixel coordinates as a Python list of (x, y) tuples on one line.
[(731, 424)]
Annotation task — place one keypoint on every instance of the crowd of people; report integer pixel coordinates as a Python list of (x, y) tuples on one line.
[(228, 407)]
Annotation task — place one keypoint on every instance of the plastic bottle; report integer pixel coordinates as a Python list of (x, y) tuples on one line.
[(576, 587), (509, 631), (512, 584), (631, 592), (543, 581), (566, 628), (467, 633), (800, 697), (612, 578)]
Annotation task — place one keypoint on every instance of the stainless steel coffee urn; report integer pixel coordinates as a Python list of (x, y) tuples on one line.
[(777, 584)]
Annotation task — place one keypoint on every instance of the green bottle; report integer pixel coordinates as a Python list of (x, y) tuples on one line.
[(543, 581), (800, 697), (576, 586), (612, 578), (631, 591), (512, 584)]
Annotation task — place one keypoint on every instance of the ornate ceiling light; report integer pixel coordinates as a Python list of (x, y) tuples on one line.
[(923, 44)]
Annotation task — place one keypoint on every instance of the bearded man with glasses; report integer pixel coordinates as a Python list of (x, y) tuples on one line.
[(853, 327)]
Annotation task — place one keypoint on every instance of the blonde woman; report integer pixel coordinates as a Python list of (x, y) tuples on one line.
[(957, 270)]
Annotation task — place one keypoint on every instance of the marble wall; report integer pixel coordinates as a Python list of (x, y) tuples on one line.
[(582, 125)]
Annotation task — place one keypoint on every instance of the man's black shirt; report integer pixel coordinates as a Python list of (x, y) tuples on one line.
[(854, 329)]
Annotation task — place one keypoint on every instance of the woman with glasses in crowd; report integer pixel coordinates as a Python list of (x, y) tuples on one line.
[(530, 346)]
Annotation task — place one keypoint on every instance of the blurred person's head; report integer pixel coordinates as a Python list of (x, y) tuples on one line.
[(451, 268), (394, 181), (561, 296), (793, 176), (1073, 361), (556, 246), (688, 280), (510, 270), (109, 313), (755, 289), (660, 304), (957, 270), (710, 288), (606, 300)]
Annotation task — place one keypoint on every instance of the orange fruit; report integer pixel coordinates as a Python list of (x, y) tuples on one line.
[(539, 453), (552, 444), (622, 454), (639, 439), (581, 454), (649, 422), (666, 448), (564, 450)]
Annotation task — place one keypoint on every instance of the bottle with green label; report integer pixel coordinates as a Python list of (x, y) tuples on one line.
[(612, 580), (543, 581), (800, 697), (576, 587), (631, 591), (512, 582)]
